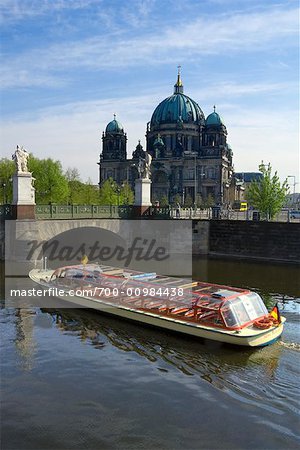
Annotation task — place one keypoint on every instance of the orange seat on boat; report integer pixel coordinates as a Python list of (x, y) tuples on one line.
[(179, 310)]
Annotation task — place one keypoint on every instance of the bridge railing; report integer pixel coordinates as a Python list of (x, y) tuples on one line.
[(127, 212), (6, 212), (82, 211)]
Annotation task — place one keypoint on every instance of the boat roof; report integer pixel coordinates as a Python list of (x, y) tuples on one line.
[(195, 288)]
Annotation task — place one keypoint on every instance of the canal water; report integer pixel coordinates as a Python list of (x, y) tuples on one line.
[(75, 379)]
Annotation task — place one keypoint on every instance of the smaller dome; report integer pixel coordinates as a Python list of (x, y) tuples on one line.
[(114, 126), (214, 119)]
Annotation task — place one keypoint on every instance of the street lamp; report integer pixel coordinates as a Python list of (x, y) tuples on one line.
[(194, 154), (118, 190), (294, 185), (4, 193)]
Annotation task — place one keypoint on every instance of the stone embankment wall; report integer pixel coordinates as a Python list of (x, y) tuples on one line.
[(272, 241)]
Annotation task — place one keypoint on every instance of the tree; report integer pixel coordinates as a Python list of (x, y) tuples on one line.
[(126, 194), (76, 187), (51, 184), (210, 201), (7, 169), (89, 193), (199, 201), (177, 200), (164, 202), (188, 202), (72, 174), (108, 193), (267, 194)]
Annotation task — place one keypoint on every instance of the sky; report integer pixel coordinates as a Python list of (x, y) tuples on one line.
[(68, 65)]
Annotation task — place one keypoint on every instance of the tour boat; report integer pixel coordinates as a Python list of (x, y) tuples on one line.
[(205, 310)]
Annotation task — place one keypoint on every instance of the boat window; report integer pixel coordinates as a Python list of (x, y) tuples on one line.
[(243, 309), (254, 305)]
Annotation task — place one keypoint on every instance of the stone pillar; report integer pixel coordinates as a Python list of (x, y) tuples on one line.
[(142, 198), (23, 196)]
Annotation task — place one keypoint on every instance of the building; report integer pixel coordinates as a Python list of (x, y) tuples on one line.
[(191, 155)]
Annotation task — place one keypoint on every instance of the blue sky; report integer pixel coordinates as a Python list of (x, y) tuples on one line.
[(68, 65)]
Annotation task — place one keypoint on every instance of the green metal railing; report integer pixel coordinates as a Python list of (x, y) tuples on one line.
[(82, 212), (6, 212), (128, 212), (87, 212)]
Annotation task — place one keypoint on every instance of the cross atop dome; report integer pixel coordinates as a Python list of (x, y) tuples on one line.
[(178, 87)]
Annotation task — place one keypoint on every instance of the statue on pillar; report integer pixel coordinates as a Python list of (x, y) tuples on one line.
[(20, 157), (144, 166), (23, 189)]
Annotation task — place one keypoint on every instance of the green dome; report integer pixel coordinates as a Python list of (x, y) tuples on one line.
[(178, 108), (114, 127), (214, 119)]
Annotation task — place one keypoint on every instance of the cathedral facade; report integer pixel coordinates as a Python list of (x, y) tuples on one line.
[(190, 153)]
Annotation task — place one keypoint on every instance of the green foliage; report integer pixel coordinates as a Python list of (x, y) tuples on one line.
[(75, 186), (177, 200), (54, 186), (210, 201), (267, 194), (199, 201), (164, 202), (7, 169), (76, 195), (188, 201), (108, 193), (126, 194), (89, 194), (51, 185)]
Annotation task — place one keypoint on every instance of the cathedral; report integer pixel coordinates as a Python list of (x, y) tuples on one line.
[(190, 153)]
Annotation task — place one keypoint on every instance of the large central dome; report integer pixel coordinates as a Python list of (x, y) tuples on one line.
[(177, 108)]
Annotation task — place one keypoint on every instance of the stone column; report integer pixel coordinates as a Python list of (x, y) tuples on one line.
[(142, 199), (23, 196)]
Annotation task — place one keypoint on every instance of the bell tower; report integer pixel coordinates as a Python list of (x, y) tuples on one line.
[(114, 142)]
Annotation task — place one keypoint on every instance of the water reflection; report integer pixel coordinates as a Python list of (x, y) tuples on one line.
[(24, 340), (190, 356)]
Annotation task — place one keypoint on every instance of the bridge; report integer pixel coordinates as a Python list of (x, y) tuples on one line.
[(142, 244), (62, 225)]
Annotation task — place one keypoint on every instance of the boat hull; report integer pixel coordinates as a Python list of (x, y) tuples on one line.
[(245, 337)]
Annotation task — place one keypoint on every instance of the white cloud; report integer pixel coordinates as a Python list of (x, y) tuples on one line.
[(203, 36), (16, 10)]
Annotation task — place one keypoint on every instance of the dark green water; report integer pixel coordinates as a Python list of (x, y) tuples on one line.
[(74, 379)]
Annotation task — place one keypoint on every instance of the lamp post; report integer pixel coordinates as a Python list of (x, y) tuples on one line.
[(4, 193), (118, 190), (194, 154), (294, 186)]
